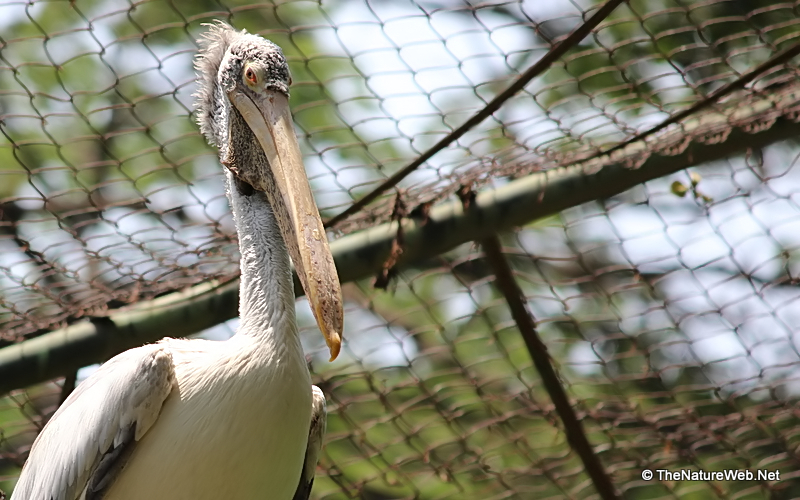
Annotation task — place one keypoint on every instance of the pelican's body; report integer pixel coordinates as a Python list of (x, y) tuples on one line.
[(243, 405), (196, 419), (238, 447)]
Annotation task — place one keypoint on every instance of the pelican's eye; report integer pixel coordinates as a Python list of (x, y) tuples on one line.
[(251, 76)]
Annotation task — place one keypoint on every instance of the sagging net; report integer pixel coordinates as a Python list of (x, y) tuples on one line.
[(670, 310)]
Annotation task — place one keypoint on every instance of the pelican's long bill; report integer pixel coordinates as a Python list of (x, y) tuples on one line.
[(289, 193)]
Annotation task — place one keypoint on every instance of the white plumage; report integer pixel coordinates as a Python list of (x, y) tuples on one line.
[(198, 419)]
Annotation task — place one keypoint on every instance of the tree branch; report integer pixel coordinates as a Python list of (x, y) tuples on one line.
[(576, 436), (535, 70)]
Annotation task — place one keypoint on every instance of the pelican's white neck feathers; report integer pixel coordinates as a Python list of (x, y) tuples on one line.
[(266, 294)]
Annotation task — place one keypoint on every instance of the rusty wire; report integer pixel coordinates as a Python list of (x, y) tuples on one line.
[(558, 50), (668, 311)]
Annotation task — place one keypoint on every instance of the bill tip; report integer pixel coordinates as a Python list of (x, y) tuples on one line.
[(334, 341)]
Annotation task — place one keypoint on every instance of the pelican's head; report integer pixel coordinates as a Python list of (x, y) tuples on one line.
[(243, 109)]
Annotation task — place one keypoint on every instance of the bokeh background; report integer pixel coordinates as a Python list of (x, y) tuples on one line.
[(671, 310)]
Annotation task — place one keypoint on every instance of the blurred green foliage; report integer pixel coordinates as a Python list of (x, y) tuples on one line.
[(96, 115)]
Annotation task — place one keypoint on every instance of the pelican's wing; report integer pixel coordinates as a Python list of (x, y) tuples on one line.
[(89, 438), (319, 420)]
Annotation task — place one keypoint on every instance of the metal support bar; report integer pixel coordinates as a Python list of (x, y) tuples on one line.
[(360, 255)]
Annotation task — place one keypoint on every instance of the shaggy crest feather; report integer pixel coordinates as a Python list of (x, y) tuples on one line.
[(213, 46)]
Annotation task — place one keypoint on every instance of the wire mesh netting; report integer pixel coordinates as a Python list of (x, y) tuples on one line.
[(671, 310)]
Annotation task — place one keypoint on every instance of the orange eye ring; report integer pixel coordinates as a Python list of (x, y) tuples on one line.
[(250, 76)]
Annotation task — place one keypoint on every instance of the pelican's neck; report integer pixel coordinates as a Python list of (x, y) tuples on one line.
[(266, 292)]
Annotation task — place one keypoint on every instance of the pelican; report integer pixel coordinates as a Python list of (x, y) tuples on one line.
[(198, 419)]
